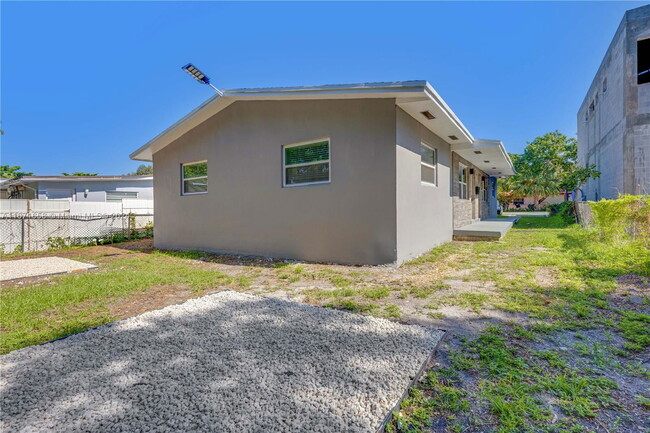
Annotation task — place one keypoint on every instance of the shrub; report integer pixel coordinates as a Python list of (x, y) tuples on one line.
[(56, 243), (626, 217), (565, 210)]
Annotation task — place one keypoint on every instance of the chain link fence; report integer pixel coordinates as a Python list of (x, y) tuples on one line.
[(37, 232)]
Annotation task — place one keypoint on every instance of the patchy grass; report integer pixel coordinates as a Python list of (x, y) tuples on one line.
[(72, 303), (429, 289), (561, 280), (560, 345), (376, 292), (353, 306)]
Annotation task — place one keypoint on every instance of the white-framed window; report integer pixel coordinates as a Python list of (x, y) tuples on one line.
[(194, 177), (428, 164), (485, 187), (462, 181), (119, 195), (306, 163)]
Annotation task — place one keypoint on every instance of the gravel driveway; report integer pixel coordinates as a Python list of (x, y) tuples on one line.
[(227, 362)]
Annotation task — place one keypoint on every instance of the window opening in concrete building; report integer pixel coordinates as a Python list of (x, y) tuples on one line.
[(643, 61)]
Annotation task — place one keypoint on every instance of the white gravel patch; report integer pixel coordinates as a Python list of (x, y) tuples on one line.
[(226, 362), (23, 268)]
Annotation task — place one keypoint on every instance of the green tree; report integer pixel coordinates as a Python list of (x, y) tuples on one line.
[(549, 166), (142, 170), (79, 173), (505, 193), (7, 172)]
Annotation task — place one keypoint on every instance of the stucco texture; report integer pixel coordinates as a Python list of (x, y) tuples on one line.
[(424, 212), (247, 211)]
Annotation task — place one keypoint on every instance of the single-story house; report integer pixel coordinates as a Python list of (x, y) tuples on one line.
[(78, 188), (527, 202), (354, 173)]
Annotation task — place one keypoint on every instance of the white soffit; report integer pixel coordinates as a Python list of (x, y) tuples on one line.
[(488, 155), (413, 97)]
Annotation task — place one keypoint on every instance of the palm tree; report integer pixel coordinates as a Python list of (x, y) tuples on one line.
[(538, 184)]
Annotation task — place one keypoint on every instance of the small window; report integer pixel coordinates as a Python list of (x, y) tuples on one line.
[(119, 195), (306, 163), (462, 181), (428, 164), (643, 61), (195, 177), (605, 85), (484, 186)]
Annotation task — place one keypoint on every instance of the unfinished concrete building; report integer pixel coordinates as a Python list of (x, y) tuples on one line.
[(614, 118)]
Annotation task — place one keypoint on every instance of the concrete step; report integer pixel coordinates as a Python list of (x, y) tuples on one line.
[(485, 230)]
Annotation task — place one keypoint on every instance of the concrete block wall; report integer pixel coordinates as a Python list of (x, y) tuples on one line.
[(614, 134), (641, 134)]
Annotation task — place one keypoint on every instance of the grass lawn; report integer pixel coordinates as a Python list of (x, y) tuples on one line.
[(549, 329)]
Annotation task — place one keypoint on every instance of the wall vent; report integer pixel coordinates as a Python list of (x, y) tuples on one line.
[(453, 137), (428, 115)]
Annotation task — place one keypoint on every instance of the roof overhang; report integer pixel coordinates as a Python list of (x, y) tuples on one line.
[(414, 97), (32, 179), (489, 156)]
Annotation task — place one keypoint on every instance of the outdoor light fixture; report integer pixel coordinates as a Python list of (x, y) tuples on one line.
[(199, 76)]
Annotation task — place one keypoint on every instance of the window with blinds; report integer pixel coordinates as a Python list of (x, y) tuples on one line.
[(306, 163), (119, 195), (194, 178), (428, 164)]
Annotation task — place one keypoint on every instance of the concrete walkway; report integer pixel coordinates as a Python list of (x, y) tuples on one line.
[(485, 230), (532, 214)]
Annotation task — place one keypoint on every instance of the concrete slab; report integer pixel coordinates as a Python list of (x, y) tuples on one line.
[(487, 229), (25, 268)]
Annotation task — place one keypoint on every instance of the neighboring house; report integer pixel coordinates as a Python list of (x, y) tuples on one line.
[(360, 173), (78, 188), (614, 118), (3, 189), (526, 202)]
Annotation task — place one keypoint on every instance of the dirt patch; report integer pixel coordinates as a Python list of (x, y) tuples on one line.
[(633, 292), (153, 299)]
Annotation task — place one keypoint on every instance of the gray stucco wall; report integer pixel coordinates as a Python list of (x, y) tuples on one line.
[(246, 209), (97, 189), (615, 135), (424, 212)]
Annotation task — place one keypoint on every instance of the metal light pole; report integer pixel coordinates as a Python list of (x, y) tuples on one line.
[(199, 76)]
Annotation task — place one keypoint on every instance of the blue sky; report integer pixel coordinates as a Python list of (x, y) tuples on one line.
[(85, 83)]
